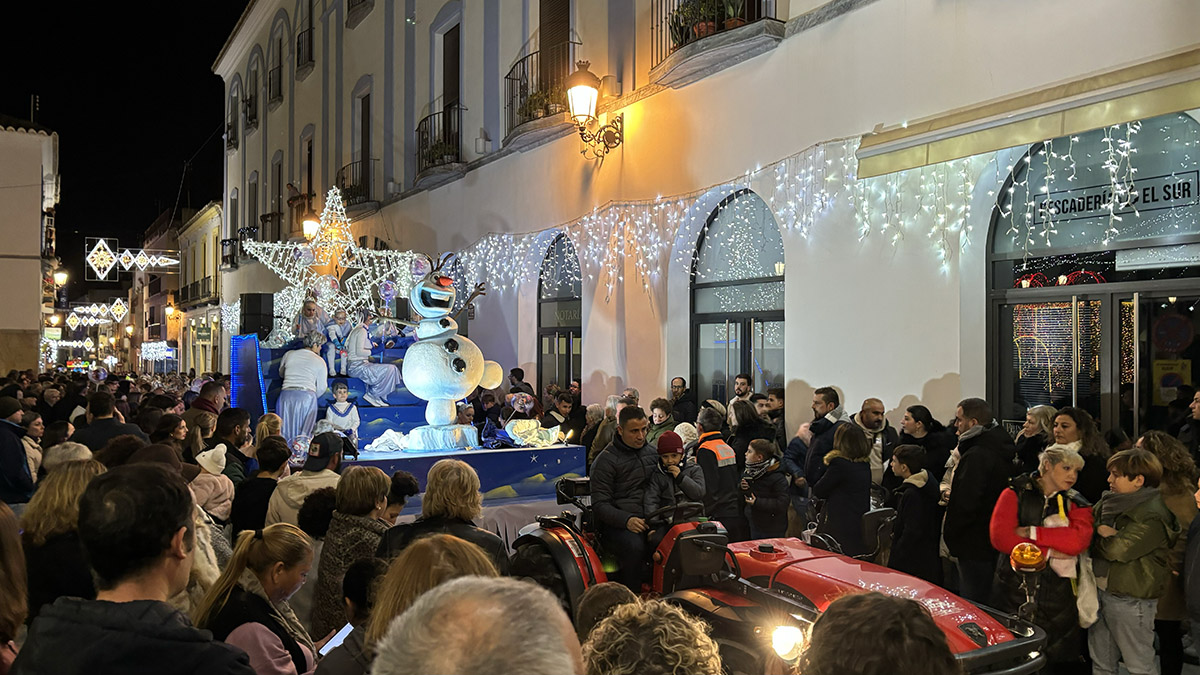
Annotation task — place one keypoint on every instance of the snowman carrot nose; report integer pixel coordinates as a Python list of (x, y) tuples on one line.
[(445, 281)]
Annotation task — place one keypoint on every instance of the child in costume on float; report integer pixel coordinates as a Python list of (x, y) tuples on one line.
[(342, 415), (338, 332), (310, 319)]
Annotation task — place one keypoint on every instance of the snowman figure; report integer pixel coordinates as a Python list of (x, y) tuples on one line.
[(443, 367)]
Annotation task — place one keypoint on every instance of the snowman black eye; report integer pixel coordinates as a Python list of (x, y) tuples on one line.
[(445, 323), (451, 346), (459, 365)]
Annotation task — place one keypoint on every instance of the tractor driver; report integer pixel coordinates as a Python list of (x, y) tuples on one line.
[(619, 479)]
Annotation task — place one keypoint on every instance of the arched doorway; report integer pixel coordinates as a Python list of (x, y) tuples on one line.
[(737, 298), (560, 325), (1094, 275)]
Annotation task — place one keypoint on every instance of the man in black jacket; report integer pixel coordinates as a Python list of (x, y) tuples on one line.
[(683, 404), (618, 483), (828, 415), (718, 461), (883, 438), (136, 525), (985, 465), (103, 425), (16, 483)]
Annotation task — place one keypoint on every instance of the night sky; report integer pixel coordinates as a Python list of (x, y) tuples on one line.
[(130, 91)]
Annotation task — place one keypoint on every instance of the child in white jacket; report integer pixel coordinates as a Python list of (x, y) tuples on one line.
[(213, 489)]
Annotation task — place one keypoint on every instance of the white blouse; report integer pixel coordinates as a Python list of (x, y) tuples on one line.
[(302, 369)]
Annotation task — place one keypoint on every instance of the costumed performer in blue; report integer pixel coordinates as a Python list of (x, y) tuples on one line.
[(311, 318), (304, 379), (380, 379), (337, 332)]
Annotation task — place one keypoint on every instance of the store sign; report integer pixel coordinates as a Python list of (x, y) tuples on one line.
[(53, 332), (1149, 194), (203, 334)]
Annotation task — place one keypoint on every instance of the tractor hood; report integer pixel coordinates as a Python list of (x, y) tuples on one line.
[(817, 577)]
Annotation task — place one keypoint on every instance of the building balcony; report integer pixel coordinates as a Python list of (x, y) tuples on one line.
[(231, 133), (692, 39), (356, 11), (230, 254), (201, 291), (270, 227), (304, 53), (275, 86), (535, 102), (356, 181), (439, 148)]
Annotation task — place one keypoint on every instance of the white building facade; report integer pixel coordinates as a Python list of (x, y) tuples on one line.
[(200, 291), (30, 181), (810, 192)]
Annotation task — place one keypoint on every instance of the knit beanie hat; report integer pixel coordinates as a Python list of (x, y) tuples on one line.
[(9, 406), (687, 432), (213, 459), (670, 442)]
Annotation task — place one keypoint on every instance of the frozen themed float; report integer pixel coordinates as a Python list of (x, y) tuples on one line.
[(414, 427)]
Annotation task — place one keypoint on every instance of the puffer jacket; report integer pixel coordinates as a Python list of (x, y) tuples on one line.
[(664, 490), (619, 476), (1171, 605), (983, 471), (1139, 554), (768, 513), (290, 493), (1024, 505)]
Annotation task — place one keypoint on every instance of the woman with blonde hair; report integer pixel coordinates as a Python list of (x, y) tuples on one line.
[(427, 563), (451, 504), (13, 606), (268, 425), (248, 609), (1177, 488), (197, 435), (1037, 433), (53, 551), (354, 533), (651, 637)]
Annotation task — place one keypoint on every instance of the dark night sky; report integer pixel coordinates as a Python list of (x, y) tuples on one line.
[(130, 91)]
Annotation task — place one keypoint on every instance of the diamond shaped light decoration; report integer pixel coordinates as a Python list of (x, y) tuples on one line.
[(118, 309), (126, 259), (73, 320), (101, 259), (142, 260), (164, 261), (94, 309), (88, 344)]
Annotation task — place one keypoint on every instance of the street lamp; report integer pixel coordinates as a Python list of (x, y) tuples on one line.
[(54, 319), (60, 278), (311, 225), (129, 329), (169, 310), (583, 91)]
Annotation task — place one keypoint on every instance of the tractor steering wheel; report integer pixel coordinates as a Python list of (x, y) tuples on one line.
[(681, 512)]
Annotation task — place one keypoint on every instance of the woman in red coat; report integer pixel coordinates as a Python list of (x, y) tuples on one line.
[(1041, 508)]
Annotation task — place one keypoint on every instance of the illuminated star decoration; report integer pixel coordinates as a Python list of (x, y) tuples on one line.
[(300, 263)]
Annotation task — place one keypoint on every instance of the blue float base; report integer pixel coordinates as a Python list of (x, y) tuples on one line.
[(503, 473)]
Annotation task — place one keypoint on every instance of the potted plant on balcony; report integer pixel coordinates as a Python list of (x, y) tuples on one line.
[(733, 13), (680, 30), (702, 15), (534, 105), (556, 101), (439, 153)]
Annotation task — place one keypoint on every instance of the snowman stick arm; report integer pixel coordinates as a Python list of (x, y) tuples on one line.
[(479, 290)]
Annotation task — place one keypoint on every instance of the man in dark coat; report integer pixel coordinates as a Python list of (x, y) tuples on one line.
[(136, 524), (16, 483), (618, 483), (718, 461), (104, 426), (683, 404), (918, 525), (985, 465), (828, 415)]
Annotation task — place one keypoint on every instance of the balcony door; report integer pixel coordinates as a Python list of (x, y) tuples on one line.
[(560, 325)]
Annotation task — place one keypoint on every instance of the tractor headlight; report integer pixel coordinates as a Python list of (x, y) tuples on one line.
[(788, 642)]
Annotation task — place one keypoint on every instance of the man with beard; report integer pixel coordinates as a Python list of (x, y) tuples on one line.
[(743, 387), (682, 403), (618, 483), (883, 439), (828, 415)]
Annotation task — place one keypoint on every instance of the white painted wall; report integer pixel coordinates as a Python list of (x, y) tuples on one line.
[(21, 202)]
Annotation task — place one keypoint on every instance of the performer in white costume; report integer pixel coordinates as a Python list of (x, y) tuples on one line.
[(337, 332), (304, 379), (380, 379), (311, 318)]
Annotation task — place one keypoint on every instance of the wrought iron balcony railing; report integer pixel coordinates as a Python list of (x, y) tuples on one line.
[(439, 139), (533, 87), (675, 23)]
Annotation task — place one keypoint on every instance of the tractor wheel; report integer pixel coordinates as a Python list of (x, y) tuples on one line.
[(534, 562)]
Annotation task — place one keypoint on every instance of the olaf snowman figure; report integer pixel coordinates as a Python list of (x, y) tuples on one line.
[(443, 367)]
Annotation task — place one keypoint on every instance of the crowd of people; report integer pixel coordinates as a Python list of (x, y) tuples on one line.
[(147, 526)]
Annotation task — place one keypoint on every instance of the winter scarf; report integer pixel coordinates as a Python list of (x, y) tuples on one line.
[(755, 470), (281, 611), (1111, 506)]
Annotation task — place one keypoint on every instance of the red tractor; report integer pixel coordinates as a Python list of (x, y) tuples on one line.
[(760, 596)]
